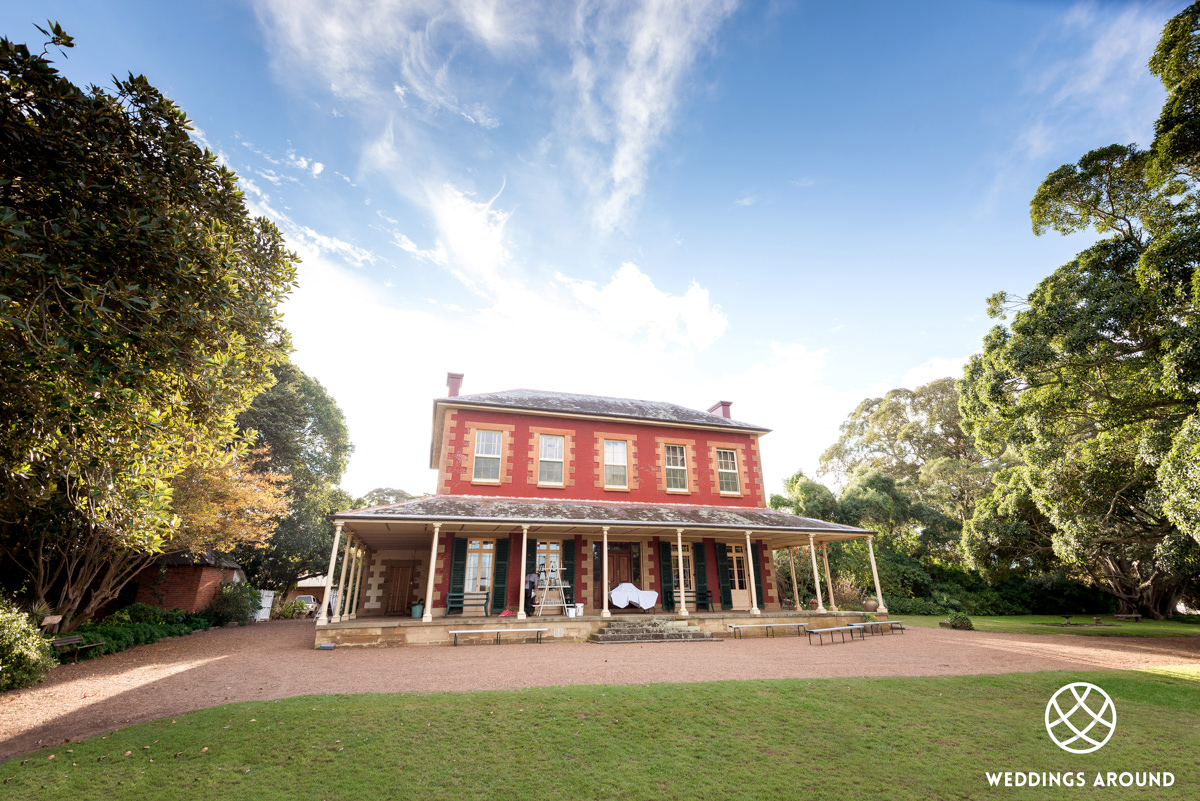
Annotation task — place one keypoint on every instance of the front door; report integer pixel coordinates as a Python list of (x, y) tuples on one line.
[(620, 568), (398, 580), (739, 583)]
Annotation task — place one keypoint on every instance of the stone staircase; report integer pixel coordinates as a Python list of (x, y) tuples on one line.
[(651, 630)]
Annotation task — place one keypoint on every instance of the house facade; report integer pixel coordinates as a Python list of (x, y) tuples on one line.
[(602, 491)]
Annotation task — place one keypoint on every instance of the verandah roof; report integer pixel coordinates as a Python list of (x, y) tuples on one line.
[(396, 524)]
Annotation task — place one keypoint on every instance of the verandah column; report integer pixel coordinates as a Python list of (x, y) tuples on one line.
[(352, 589), (604, 575), (323, 618), (875, 575), (357, 584), (828, 581), (681, 608), (341, 593), (521, 594), (812, 550), (795, 587), (750, 565), (427, 617), (348, 573)]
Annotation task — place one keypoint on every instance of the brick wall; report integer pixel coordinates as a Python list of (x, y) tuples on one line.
[(190, 588)]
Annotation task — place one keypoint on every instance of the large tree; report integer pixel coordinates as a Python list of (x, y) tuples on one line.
[(1096, 381), (138, 316), (306, 433), (915, 436)]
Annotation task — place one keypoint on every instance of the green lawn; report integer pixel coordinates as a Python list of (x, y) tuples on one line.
[(838, 739), (1036, 624)]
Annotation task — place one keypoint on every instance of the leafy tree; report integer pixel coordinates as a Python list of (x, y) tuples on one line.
[(916, 438), (1008, 534), (229, 504), (1096, 383), (308, 440), (138, 316), (385, 496)]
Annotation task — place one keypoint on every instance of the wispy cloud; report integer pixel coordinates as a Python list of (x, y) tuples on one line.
[(746, 200)]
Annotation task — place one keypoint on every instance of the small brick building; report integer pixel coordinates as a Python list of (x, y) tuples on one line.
[(183, 581)]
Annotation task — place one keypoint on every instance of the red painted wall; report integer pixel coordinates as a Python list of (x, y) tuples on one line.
[(583, 470)]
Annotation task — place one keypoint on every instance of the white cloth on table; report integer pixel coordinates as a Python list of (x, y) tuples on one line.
[(625, 594)]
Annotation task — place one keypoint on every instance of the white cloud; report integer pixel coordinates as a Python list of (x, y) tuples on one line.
[(746, 200), (473, 235)]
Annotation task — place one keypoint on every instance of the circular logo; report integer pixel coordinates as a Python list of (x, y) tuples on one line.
[(1080, 718)]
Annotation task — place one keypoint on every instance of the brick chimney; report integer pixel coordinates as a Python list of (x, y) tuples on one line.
[(454, 382), (721, 408)]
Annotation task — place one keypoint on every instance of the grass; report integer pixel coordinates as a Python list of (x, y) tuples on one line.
[(894, 738), (1036, 624)]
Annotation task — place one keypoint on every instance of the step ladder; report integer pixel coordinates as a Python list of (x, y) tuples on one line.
[(553, 593)]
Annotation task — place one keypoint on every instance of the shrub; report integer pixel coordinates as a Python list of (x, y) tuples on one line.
[(847, 593), (959, 620), (235, 603), (25, 655)]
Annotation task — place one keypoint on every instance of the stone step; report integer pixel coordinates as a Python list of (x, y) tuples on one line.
[(651, 631)]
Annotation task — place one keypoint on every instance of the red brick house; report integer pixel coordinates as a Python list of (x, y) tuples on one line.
[(184, 581), (612, 489)]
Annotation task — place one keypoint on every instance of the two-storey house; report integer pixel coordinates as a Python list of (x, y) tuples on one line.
[(609, 491)]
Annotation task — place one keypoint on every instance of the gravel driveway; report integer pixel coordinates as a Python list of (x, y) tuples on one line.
[(277, 660)]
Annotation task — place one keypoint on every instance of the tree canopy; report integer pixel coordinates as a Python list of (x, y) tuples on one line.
[(138, 316), (1095, 384)]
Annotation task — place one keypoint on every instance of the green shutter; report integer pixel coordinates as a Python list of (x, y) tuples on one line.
[(500, 577), (758, 581), (568, 568), (698, 567), (530, 557), (458, 564), (664, 574), (723, 575)]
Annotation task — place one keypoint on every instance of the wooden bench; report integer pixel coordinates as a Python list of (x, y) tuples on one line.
[(835, 630), (691, 598), (736, 628), (462, 600), (73, 642), (877, 626), (497, 632), (1136, 618)]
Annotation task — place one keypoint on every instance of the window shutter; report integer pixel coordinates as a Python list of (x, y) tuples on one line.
[(500, 577), (698, 568), (758, 581), (723, 575), (568, 568), (458, 564), (664, 573), (530, 560)]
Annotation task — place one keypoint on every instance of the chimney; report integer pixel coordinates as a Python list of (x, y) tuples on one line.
[(454, 382), (721, 408)]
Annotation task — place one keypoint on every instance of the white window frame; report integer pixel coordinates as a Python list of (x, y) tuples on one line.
[(547, 551), (688, 574), (483, 455), (544, 460), (480, 566), (623, 464), (724, 473), (675, 471)]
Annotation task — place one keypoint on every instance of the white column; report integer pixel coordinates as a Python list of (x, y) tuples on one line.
[(323, 618), (347, 606), (341, 599), (795, 587), (358, 579), (524, 556), (428, 616), (604, 573), (812, 550), (680, 601), (828, 581), (750, 565), (875, 575)]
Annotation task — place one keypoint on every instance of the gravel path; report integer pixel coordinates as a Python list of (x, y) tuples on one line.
[(277, 660)]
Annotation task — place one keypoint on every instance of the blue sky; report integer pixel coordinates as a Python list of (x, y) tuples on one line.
[(791, 206)]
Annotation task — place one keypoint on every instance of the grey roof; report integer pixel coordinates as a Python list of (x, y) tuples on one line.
[(475, 509), (570, 403)]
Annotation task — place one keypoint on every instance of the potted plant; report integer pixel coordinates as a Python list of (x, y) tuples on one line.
[(870, 604)]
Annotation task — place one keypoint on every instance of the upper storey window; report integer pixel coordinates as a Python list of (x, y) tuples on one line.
[(487, 455), (727, 471), (552, 448), (676, 464), (616, 464)]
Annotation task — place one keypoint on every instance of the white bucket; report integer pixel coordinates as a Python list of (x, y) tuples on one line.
[(578, 610), (570, 611)]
